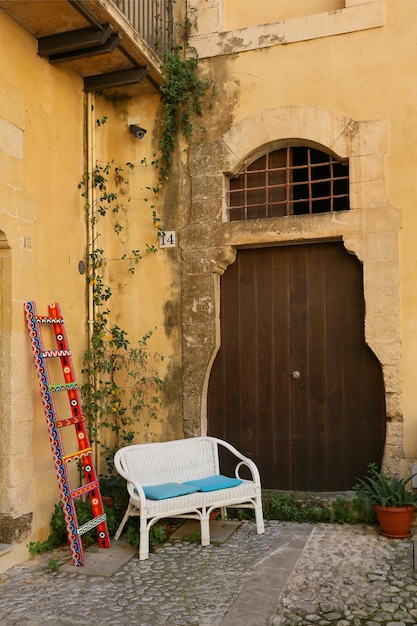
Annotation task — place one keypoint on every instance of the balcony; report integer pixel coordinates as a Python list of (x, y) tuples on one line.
[(152, 19), (117, 46)]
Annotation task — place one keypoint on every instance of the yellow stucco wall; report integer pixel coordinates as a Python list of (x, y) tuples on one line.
[(341, 74), (140, 300), (356, 61), (43, 237), (41, 116), (244, 13)]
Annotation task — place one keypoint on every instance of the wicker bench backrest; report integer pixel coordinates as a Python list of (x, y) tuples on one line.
[(170, 461)]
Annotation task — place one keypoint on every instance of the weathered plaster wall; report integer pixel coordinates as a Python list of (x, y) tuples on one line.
[(239, 14), (41, 130), (328, 86), (217, 29), (43, 237), (148, 299), (209, 244)]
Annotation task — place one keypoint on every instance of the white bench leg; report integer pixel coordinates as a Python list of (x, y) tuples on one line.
[(205, 530), (123, 522), (260, 527), (143, 539)]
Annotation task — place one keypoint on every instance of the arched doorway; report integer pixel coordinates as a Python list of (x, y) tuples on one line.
[(294, 384)]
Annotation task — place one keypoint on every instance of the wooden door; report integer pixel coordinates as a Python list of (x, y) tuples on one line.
[(294, 385)]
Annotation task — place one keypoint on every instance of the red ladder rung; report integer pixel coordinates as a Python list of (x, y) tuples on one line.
[(45, 319), (77, 456), (70, 421), (63, 387), (84, 489), (54, 353)]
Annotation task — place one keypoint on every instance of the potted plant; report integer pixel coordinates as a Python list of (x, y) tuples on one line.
[(391, 499)]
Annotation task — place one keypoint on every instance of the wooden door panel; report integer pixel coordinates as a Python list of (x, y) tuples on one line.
[(310, 421), (281, 405), (284, 311), (261, 447), (247, 323), (298, 329)]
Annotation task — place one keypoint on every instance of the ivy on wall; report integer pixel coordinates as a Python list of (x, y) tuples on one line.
[(122, 389), (183, 92)]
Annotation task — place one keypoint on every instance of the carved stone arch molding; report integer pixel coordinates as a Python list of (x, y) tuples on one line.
[(369, 230)]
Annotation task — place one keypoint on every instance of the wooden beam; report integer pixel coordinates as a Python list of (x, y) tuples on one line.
[(100, 82)]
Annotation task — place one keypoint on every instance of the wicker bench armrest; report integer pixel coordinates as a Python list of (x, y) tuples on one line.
[(244, 461), (135, 490), (133, 487)]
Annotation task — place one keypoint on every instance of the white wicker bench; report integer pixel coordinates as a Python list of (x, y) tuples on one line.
[(159, 464)]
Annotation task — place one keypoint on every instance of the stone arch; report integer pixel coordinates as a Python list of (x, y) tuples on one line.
[(369, 230), (339, 133)]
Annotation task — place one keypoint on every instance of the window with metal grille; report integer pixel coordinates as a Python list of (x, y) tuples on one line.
[(295, 180)]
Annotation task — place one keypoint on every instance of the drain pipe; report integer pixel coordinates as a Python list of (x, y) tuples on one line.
[(91, 231)]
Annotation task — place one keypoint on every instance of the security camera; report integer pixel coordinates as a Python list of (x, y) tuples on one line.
[(137, 131)]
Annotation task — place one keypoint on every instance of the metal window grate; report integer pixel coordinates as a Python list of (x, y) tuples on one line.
[(153, 20), (291, 181)]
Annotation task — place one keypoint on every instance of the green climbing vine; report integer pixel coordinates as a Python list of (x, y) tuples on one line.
[(183, 93), (122, 389)]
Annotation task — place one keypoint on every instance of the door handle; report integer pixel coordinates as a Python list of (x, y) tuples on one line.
[(296, 374)]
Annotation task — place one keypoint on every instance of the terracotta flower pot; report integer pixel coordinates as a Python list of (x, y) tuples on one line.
[(395, 522)]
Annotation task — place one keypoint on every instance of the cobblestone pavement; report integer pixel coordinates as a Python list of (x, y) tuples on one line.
[(344, 576)]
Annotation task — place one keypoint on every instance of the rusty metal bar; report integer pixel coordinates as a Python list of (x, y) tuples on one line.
[(311, 181)]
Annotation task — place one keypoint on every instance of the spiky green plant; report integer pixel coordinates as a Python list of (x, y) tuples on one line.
[(387, 491)]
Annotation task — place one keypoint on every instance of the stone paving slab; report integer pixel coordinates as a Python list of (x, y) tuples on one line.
[(259, 596), (220, 530), (102, 562)]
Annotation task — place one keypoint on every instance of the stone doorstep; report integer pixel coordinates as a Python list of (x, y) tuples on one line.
[(5, 548)]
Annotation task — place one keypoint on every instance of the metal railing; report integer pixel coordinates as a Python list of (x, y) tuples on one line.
[(153, 20)]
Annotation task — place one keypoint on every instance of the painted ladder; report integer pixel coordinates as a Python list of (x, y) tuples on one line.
[(84, 453)]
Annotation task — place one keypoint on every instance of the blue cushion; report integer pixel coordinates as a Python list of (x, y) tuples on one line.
[(214, 483), (168, 490)]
